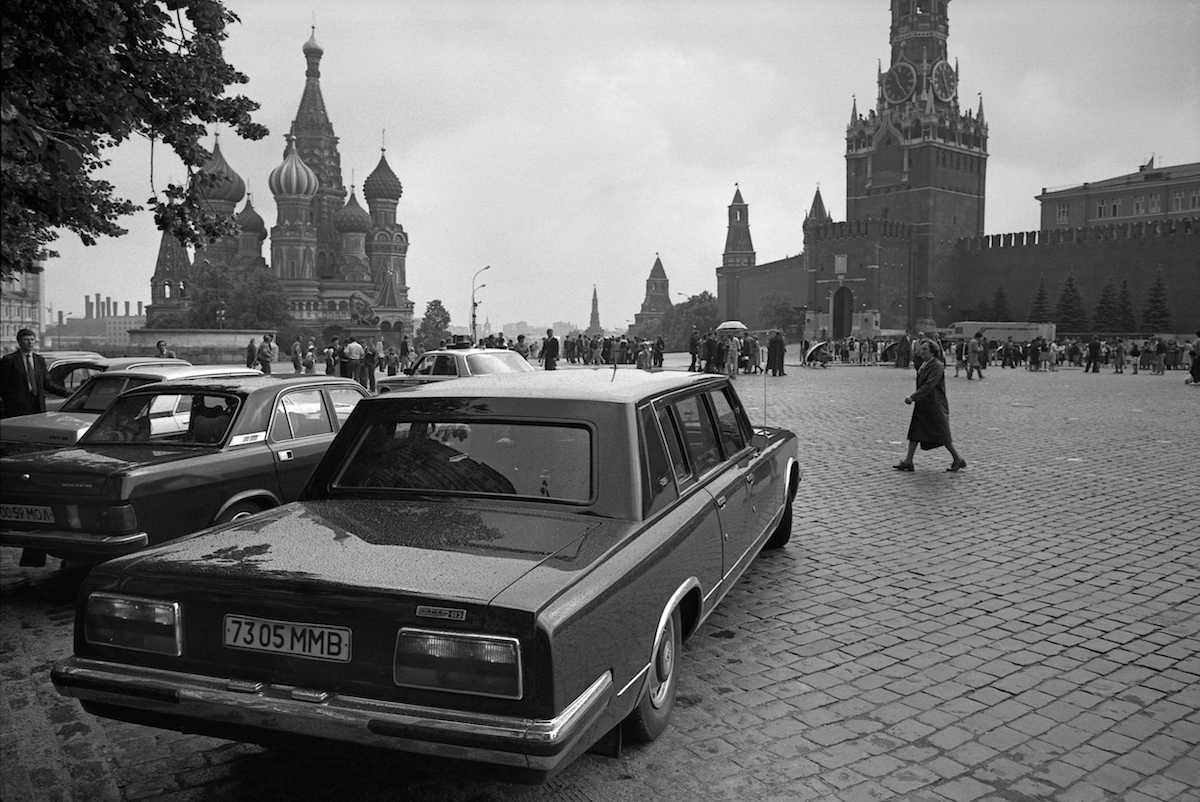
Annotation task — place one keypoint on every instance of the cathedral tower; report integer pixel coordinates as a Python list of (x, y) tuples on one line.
[(657, 302)]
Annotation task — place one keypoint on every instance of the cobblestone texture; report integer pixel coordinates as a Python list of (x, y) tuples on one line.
[(1026, 629)]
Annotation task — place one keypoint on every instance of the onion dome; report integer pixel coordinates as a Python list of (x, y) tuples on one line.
[(382, 183), (352, 218), (251, 222), (312, 47), (226, 184), (293, 177)]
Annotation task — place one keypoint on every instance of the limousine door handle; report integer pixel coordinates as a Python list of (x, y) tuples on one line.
[(286, 456), (721, 503)]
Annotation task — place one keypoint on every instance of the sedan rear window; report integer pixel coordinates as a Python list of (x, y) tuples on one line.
[(552, 462), (183, 418), (498, 362)]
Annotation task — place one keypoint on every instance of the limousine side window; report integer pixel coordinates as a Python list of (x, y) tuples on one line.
[(733, 439), (698, 433), (670, 430), (658, 486)]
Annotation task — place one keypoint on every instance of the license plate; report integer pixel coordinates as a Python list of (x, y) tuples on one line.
[(286, 637), (26, 514)]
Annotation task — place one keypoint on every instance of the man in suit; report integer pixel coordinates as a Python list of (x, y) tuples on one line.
[(550, 351), (24, 381)]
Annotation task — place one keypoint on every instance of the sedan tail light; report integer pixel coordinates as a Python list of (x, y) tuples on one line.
[(482, 665), (128, 622)]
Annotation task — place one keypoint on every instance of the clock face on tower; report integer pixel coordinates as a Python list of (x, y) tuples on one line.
[(899, 82), (944, 80)]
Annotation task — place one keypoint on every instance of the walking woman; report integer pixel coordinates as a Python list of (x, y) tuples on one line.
[(930, 427)]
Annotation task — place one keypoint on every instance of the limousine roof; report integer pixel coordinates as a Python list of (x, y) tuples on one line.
[(624, 385)]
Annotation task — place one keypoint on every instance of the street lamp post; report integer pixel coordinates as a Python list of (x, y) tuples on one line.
[(474, 337)]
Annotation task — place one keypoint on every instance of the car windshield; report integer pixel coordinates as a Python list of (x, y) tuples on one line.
[(552, 462), (498, 362), (99, 392), (201, 418)]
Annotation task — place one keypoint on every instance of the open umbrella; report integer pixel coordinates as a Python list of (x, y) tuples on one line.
[(812, 352), (731, 325)]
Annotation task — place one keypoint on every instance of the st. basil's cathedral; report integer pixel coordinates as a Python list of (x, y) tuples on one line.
[(342, 267)]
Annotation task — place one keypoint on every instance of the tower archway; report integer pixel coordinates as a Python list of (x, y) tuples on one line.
[(843, 313)]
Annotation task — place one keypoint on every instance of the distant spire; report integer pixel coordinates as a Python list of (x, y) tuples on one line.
[(980, 114), (853, 109)]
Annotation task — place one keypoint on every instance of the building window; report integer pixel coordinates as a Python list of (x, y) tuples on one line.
[(839, 263), (1115, 206), (1155, 203), (1063, 214), (1177, 201), (1194, 199), (1101, 207), (1139, 204)]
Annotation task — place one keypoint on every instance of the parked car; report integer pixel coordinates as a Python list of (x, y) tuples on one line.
[(63, 427), (168, 458), (499, 571), (455, 363), (72, 368)]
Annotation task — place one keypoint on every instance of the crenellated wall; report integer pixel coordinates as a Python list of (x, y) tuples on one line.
[(1132, 252)]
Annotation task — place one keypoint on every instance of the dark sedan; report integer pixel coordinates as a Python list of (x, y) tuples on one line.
[(169, 458), (500, 571)]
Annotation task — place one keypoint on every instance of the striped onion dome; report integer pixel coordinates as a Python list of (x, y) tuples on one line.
[(293, 177)]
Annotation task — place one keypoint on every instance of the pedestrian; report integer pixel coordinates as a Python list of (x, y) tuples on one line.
[(352, 360), (405, 352), (369, 366), (1093, 356), (550, 351), (776, 348), (694, 350), (297, 356), (251, 353), (24, 379), (1194, 371), (310, 359), (1119, 356), (265, 354), (960, 357), (521, 347), (163, 351), (930, 425), (333, 356), (392, 363), (975, 350)]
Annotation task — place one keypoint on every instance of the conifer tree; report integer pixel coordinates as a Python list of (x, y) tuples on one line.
[(1000, 311), (1156, 314), (1125, 310), (1039, 310), (1107, 318), (1070, 314)]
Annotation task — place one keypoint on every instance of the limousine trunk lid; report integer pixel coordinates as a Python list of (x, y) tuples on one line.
[(359, 571), (78, 471)]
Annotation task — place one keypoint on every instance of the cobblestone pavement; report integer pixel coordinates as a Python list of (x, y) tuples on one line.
[(1026, 629)]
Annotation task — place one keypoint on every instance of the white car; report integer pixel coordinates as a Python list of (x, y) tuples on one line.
[(72, 368), (64, 426), (456, 363)]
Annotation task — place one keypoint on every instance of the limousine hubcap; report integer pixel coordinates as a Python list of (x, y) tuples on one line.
[(664, 665)]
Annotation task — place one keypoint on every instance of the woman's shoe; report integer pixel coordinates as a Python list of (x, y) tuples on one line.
[(955, 467), (903, 466)]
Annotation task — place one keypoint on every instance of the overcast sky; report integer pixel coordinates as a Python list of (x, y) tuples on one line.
[(566, 143)]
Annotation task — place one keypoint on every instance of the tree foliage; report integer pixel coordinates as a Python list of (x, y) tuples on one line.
[(1128, 323), (79, 79), (1039, 310), (1000, 311), (1107, 317), (1070, 314), (700, 311), (776, 312), (435, 326), (1156, 314), (219, 297)]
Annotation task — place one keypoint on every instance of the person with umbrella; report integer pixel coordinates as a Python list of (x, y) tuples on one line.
[(930, 426)]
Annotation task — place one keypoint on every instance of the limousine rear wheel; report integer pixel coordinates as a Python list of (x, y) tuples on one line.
[(649, 719), (783, 532)]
